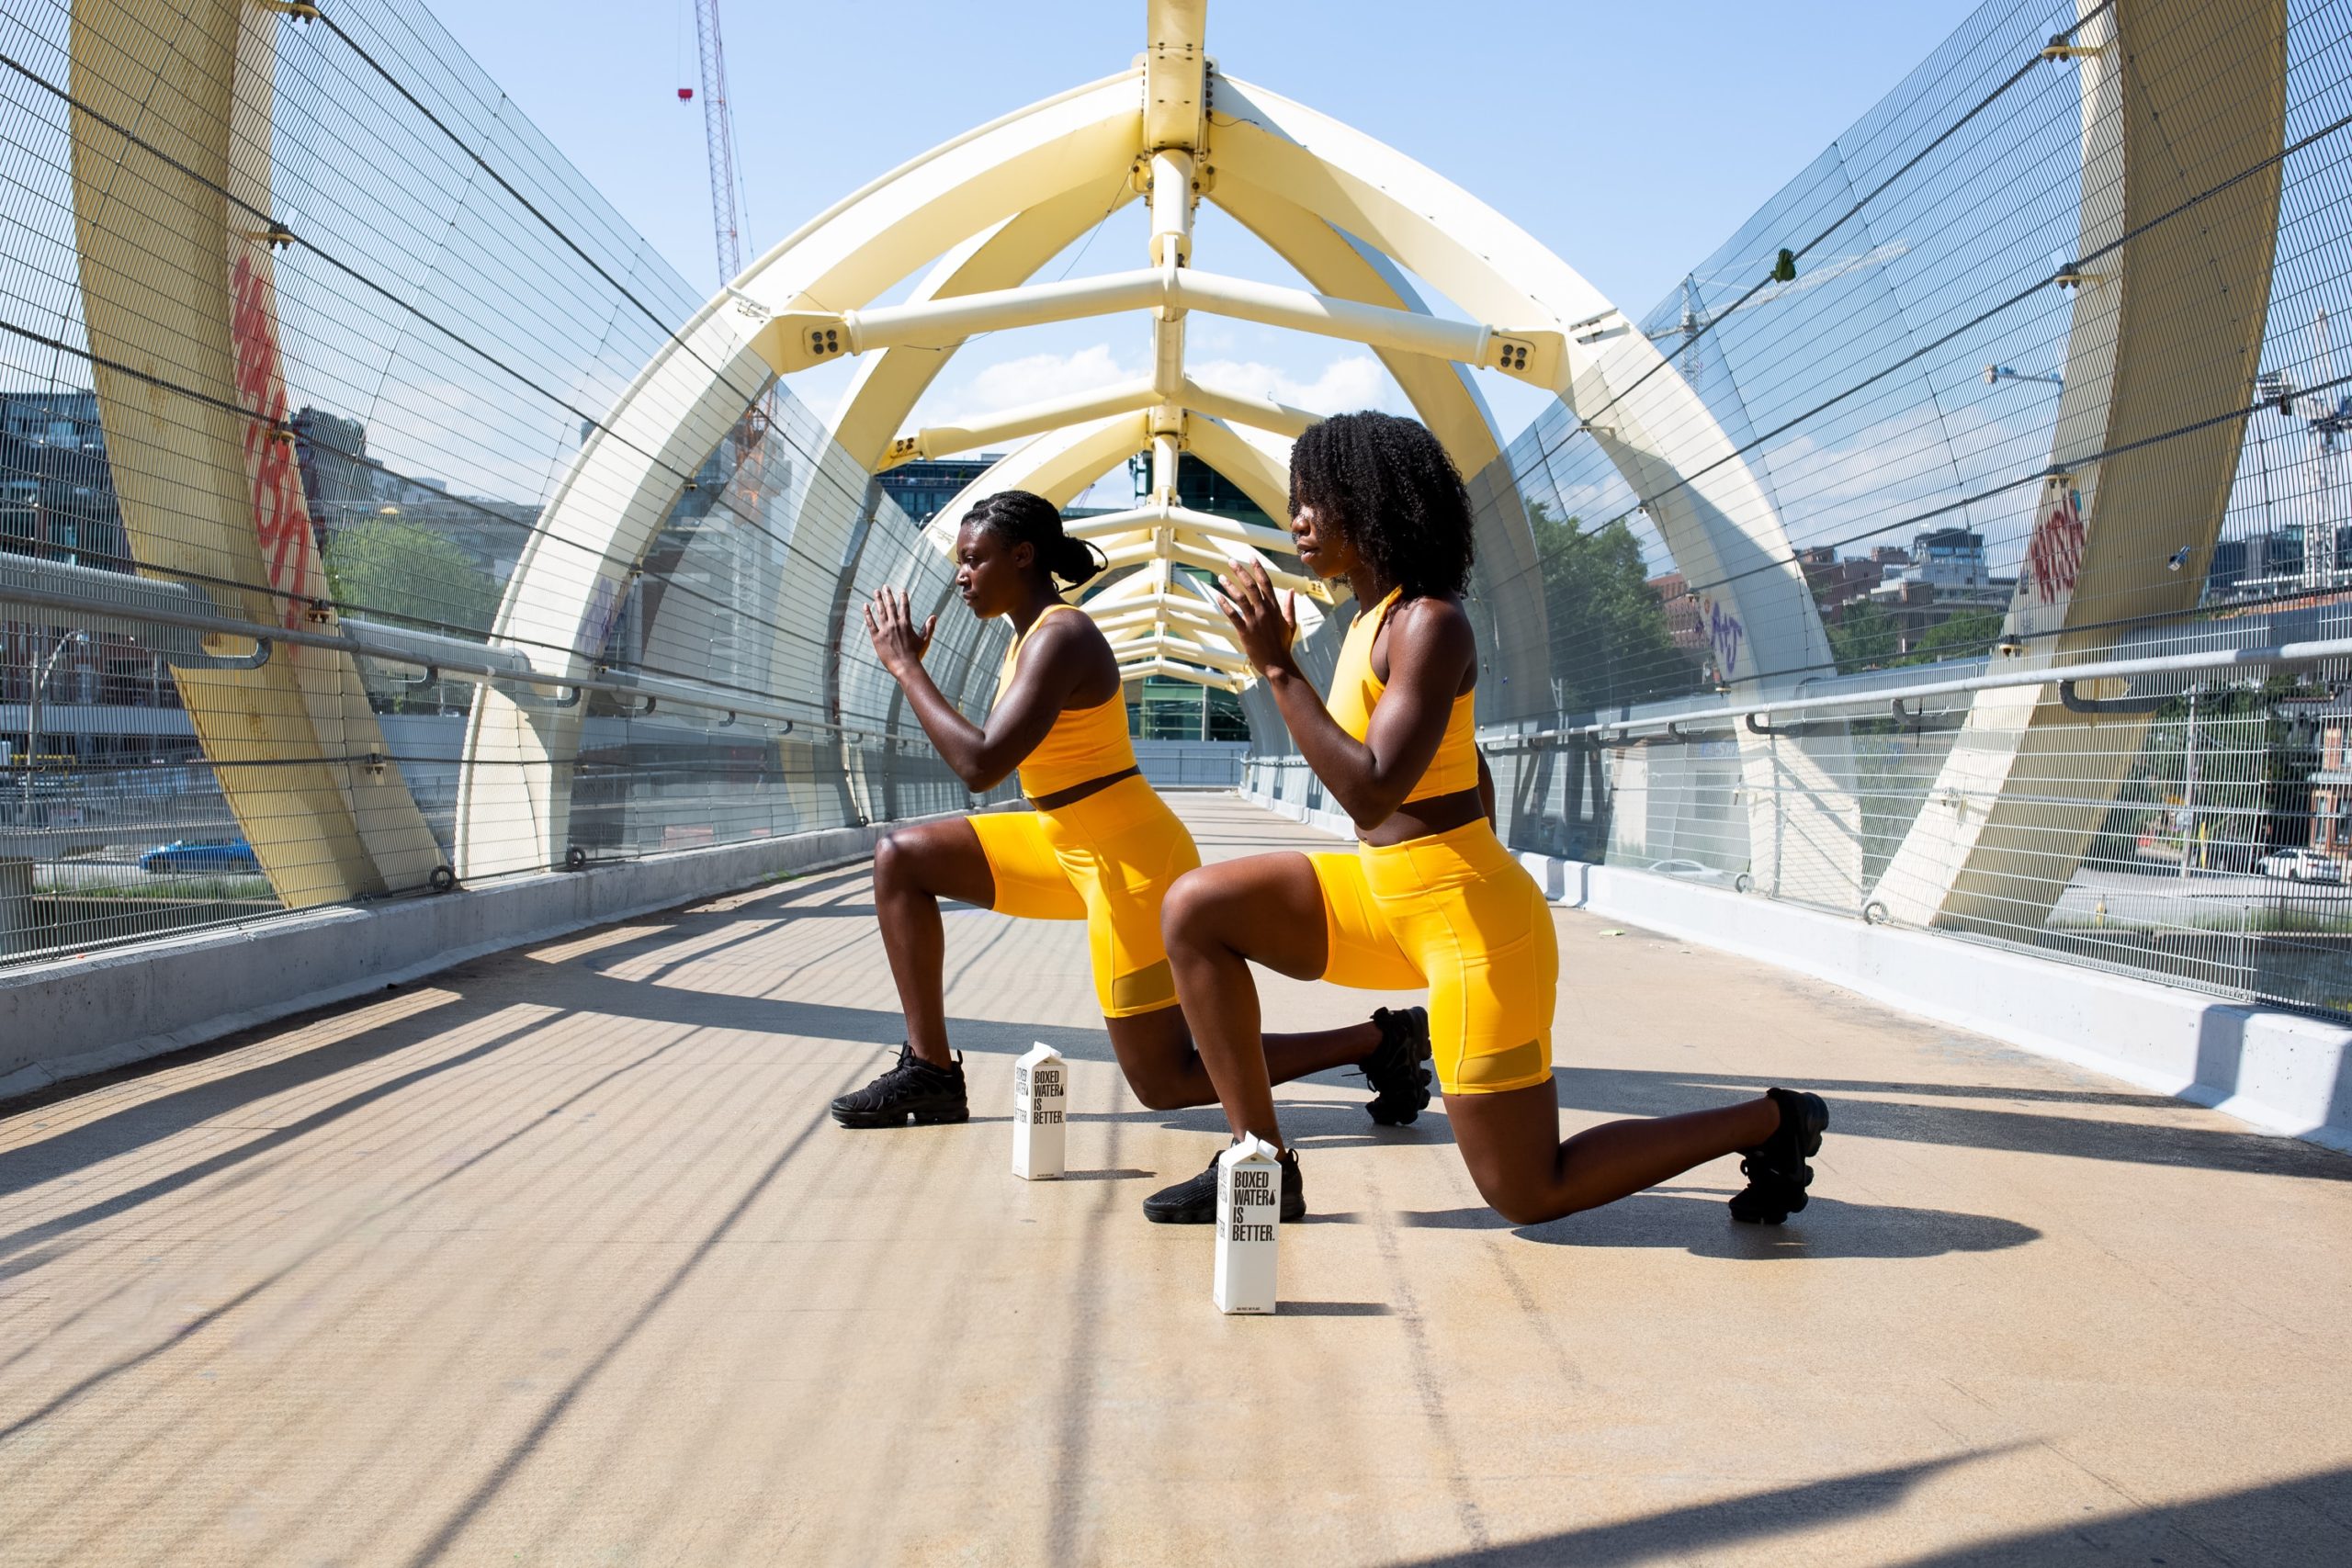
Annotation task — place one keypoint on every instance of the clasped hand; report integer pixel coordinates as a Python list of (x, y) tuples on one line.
[(1263, 625), (890, 622)]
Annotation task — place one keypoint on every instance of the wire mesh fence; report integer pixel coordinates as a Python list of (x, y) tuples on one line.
[(2032, 370), (327, 569), (303, 332)]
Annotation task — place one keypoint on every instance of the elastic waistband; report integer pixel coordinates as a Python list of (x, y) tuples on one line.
[(1462, 841), (1453, 858), (1113, 805)]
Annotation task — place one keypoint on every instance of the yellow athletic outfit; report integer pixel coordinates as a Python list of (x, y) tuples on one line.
[(1107, 860), (1451, 911)]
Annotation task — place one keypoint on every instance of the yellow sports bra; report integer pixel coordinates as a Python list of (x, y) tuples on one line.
[(1084, 743), (1355, 691)]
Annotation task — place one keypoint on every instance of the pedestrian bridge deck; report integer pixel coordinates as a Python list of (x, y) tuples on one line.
[(556, 1259)]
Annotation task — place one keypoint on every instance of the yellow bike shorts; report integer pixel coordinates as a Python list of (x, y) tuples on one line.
[(1107, 860), (1456, 913)]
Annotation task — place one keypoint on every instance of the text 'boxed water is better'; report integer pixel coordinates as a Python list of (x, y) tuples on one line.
[(1040, 1082), (1249, 1212)]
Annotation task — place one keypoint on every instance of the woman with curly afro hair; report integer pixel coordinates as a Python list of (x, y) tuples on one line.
[(1430, 897)]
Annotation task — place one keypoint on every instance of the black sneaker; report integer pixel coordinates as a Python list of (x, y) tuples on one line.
[(1398, 1068), (1776, 1169), (1194, 1202), (914, 1090)]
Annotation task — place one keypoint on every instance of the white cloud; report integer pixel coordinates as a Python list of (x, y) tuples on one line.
[(1033, 377), (1884, 475), (1344, 385)]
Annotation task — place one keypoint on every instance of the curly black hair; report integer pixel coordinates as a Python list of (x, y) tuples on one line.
[(1391, 492), (1019, 516)]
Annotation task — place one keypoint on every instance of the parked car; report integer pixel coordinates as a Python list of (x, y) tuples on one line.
[(2300, 866), (214, 855), (1699, 871)]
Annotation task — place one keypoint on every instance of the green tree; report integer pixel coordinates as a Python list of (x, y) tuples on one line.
[(1973, 631), (1610, 642), (400, 573), (1864, 638)]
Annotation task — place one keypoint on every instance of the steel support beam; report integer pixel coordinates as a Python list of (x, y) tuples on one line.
[(802, 339), (1127, 397)]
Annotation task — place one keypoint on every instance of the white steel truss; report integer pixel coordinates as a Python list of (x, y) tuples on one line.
[(1354, 217)]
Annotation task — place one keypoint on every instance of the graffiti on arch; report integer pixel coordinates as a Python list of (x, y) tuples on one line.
[(2053, 560), (603, 609), (1726, 636), (281, 515)]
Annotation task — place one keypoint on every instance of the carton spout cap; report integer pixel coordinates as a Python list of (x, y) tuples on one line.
[(1250, 1146)]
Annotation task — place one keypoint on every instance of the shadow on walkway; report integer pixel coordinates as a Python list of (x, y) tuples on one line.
[(2300, 1521), (1616, 1092), (1698, 1224)]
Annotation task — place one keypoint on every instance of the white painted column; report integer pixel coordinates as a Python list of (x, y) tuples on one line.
[(2179, 100)]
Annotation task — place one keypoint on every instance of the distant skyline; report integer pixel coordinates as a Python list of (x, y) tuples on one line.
[(1632, 141)]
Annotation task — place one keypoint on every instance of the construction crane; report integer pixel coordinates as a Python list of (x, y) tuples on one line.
[(719, 131), (727, 203)]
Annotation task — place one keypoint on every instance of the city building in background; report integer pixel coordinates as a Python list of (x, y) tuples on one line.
[(106, 699), (1202, 488), (924, 488)]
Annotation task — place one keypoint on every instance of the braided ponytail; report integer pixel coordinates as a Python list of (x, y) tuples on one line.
[(1019, 517), (1077, 560)]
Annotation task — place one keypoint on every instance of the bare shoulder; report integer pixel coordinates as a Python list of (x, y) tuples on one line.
[(1434, 624), (1431, 634), (1074, 647), (1067, 633)]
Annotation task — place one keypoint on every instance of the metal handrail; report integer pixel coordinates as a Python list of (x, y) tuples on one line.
[(437, 653), (2067, 677)]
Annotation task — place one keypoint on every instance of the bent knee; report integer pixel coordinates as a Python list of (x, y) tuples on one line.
[(897, 863), (1187, 912), (1159, 1094), (1519, 1212), (1525, 1204)]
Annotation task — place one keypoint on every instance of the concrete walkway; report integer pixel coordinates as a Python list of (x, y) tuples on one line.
[(556, 1259)]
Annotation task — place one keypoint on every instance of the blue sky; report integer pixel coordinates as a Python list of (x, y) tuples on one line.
[(1632, 139)]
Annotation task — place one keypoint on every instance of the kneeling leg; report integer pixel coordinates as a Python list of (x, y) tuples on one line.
[(1218, 920), (1511, 1143), (914, 869)]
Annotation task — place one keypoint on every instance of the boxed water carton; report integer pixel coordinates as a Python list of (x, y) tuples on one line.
[(1249, 1208), (1040, 1082)]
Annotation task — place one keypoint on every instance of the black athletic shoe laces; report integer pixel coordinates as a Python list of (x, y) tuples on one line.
[(1776, 1168), (912, 1090), (1398, 1068), (1194, 1201)]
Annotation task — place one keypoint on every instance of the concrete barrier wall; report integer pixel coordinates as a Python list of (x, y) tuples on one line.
[(73, 1017), (2281, 1071)]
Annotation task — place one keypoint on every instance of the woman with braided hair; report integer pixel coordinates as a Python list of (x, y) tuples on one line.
[(1097, 844), (1430, 897)]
